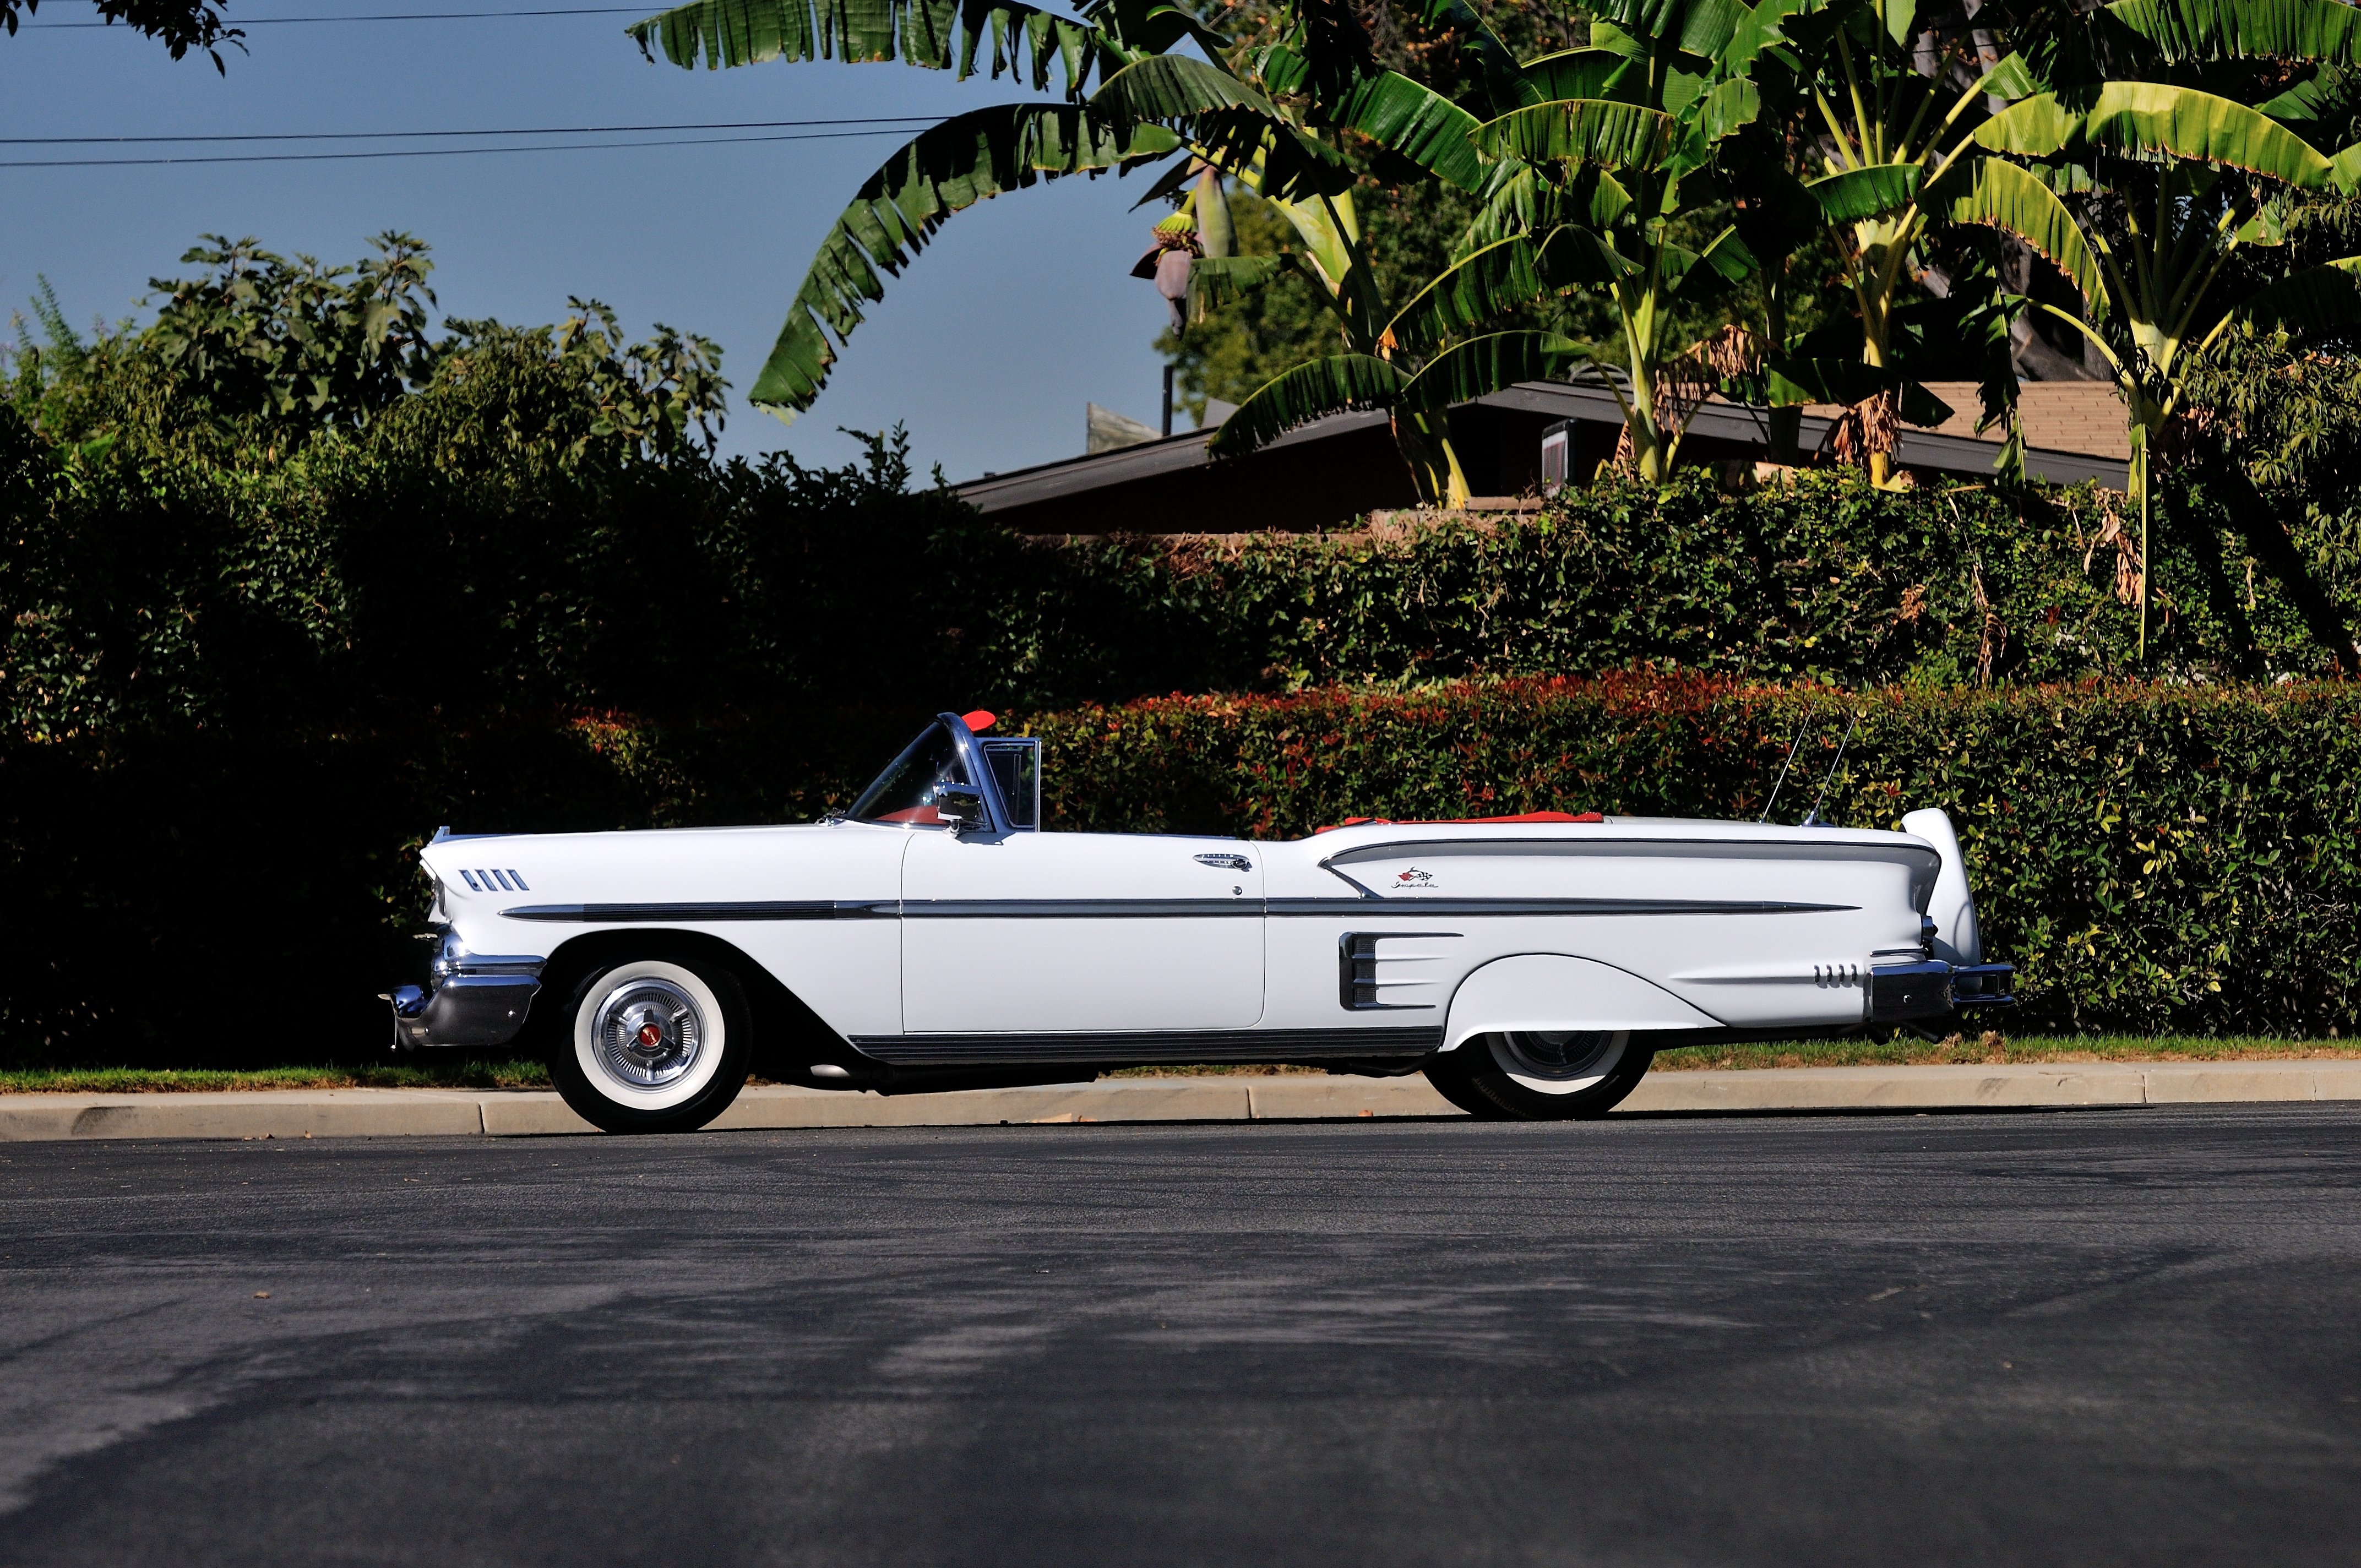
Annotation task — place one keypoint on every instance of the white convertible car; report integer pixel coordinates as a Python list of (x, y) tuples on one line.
[(932, 937)]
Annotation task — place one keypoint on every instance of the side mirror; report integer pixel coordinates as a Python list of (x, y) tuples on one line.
[(962, 805)]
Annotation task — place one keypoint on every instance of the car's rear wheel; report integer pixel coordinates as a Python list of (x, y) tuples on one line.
[(1544, 1075), (1448, 1073), (656, 1043)]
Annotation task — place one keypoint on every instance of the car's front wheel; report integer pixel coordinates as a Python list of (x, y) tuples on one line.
[(1539, 1075), (651, 1045)]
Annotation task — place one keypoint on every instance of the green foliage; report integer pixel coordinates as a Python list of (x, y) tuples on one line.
[(179, 25), (2151, 858)]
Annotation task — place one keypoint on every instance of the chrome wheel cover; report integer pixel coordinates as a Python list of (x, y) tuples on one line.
[(647, 1033), (1559, 1060)]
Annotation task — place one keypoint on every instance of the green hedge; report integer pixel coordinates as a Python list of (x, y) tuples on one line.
[(2150, 857)]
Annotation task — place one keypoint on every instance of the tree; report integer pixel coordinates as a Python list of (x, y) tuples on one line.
[(1270, 118), (179, 25), (1603, 177), (2149, 195)]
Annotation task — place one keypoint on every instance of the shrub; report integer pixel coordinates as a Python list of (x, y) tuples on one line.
[(2151, 857)]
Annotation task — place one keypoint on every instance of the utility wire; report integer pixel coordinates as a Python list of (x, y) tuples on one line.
[(527, 131), (423, 151), (389, 17)]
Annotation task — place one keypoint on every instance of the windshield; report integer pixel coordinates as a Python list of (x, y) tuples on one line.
[(905, 792)]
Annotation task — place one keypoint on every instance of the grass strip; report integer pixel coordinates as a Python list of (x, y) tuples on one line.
[(458, 1073), (1990, 1049)]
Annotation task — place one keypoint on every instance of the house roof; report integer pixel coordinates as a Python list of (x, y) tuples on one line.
[(1346, 466)]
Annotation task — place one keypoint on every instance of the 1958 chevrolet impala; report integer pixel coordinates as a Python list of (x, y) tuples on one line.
[(933, 936)]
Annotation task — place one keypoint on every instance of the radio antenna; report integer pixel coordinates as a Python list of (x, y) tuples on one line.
[(1812, 818), (1782, 772)]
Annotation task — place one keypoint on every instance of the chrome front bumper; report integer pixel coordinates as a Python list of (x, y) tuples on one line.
[(473, 1000), (1898, 992)]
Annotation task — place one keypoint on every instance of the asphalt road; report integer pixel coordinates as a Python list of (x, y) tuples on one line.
[(2084, 1338)]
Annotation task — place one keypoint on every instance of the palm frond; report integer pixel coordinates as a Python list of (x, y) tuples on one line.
[(1217, 280), (2157, 119), (969, 159), (1022, 40), (1593, 130), (2326, 298), (1311, 390), (1501, 276), (2201, 31), (1996, 191), (1490, 364), (1414, 122), (1870, 191), (1232, 126)]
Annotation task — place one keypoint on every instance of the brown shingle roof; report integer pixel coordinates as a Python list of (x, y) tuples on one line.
[(2059, 416)]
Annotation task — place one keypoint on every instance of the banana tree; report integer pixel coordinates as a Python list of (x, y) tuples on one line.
[(2146, 195), (1881, 124), (1607, 165), (1266, 119)]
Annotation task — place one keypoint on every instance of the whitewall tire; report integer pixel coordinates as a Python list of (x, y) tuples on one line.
[(1537, 1076), (656, 1043)]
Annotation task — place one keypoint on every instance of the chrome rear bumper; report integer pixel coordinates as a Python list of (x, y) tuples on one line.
[(472, 1000), (1898, 992)]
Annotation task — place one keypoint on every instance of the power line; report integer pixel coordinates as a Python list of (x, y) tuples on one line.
[(528, 131), (390, 17), (423, 151)]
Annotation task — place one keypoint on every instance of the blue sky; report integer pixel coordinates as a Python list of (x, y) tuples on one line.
[(987, 349)]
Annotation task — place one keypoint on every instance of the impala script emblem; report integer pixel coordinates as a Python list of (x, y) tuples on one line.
[(1414, 878)]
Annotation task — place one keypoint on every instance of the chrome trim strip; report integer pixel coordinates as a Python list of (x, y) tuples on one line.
[(1079, 908), (1359, 908), (775, 909), (1150, 1046), (1594, 844), (1151, 908)]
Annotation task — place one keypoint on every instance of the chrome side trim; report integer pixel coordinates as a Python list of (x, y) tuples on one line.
[(1150, 1046), (771, 909), (1079, 908), (1149, 908), (1359, 908)]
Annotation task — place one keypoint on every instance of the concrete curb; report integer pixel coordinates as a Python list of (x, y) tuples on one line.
[(415, 1113)]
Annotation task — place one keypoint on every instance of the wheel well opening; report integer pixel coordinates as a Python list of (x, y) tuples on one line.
[(788, 1035)]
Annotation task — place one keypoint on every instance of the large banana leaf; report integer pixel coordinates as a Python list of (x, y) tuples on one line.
[(1870, 191), (1216, 280), (1520, 199), (951, 166), (2156, 118), (1488, 364), (1311, 390), (1421, 126), (1996, 191), (2245, 30), (1610, 135), (940, 35), (1503, 78), (2319, 298), (1573, 73), (1501, 278), (1794, 379), (1231, 125)]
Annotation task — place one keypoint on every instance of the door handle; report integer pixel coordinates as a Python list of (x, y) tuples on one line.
[(1226, 863)]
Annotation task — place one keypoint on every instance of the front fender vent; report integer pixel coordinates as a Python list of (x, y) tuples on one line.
[(498, 880)]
